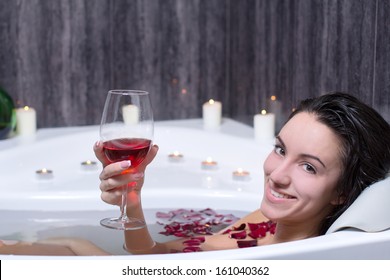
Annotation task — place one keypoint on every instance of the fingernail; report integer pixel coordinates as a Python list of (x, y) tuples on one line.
[(125, 164), (138, 176)]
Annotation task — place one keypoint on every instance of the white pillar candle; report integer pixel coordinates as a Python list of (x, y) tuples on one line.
[(26, 121), (212, 114), (264, 126), (130, 114)]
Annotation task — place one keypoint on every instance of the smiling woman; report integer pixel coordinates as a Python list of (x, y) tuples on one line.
[(331, 149), (301, 176)]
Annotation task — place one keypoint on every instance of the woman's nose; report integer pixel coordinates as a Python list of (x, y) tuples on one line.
[(280, 175)]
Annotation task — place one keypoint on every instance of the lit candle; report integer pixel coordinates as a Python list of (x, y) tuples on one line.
[(212, 114), (26, 121), (209, 164), (175, 157), (89, 165), (264, 126), (241, 175), (130, 114), (44, 174)]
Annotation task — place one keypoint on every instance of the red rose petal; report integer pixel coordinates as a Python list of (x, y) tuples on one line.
[(227, 231), (191, 242), (246, 243), (240, 227), (260, 232), (238, 235), (191, 249), (201, 239)]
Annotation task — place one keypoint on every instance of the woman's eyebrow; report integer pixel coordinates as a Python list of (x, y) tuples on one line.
[(313, 157), (302, 155)]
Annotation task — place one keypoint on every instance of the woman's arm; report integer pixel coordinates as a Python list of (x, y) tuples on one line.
[(52, 247), (140, 241)]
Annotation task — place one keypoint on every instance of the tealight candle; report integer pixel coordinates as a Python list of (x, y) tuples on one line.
[(241, 175), (89, 165), (264, 125), (130, 114), (209, 164), (212, 114), (44, 174), (175, 157), (26, 121)]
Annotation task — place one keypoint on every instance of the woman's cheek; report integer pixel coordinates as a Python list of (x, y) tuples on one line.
[(270, 164)]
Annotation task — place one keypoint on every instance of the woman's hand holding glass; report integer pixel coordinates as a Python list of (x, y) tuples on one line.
[(113, 179)]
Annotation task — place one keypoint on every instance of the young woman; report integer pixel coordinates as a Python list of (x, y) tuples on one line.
[(331, 148)]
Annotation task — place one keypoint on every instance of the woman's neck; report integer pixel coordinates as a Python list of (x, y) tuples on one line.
[(286, 232)]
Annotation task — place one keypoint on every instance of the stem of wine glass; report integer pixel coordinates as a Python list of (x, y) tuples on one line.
[(123, 216)]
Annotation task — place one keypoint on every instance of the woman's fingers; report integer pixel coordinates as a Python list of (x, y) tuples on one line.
[(116, 175), (149, 157), (113, 197), (98, 149)]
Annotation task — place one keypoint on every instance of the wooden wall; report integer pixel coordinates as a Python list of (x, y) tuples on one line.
[(61, 56)]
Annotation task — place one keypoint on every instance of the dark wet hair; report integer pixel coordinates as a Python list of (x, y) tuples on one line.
[(365, 137)]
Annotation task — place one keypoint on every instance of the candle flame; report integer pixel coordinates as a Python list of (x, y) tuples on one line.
[(26, 108), (240, 170), (263, 112), (273, 97), (176, 153), (209, 160), (211, 101)]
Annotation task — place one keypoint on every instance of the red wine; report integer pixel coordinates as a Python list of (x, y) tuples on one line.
[(133, 149)]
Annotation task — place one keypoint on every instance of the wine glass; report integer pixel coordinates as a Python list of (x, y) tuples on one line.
[(126, 131)]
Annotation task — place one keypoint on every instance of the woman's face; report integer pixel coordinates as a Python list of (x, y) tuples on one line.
[(301, 172)]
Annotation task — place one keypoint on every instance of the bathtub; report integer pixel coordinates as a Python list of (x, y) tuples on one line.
[(67, 202)]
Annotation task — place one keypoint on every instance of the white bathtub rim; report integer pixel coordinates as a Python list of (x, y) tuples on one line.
[(326, 247)]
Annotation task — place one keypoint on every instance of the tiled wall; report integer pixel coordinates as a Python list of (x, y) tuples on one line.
[(61, 57)]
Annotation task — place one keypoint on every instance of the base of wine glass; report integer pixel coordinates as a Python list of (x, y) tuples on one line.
[(123, 224)]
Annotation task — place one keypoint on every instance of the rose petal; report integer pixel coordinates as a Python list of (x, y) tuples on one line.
[(246, 243), (227, 231), (238, 235), (191, 242), (191, 249), (240, 227), (260, 232), (201, 239)]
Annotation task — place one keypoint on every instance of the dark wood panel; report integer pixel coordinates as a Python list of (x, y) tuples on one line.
[(299, 49), (61, 57), (381, 97), (174, 49)]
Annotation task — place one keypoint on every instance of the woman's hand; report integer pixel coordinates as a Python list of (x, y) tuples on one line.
[(116, 175)]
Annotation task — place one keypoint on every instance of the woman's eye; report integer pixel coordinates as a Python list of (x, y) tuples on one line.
[(309, 168), (279, 150)]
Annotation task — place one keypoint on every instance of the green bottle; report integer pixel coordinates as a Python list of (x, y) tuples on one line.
[(7, 114)]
